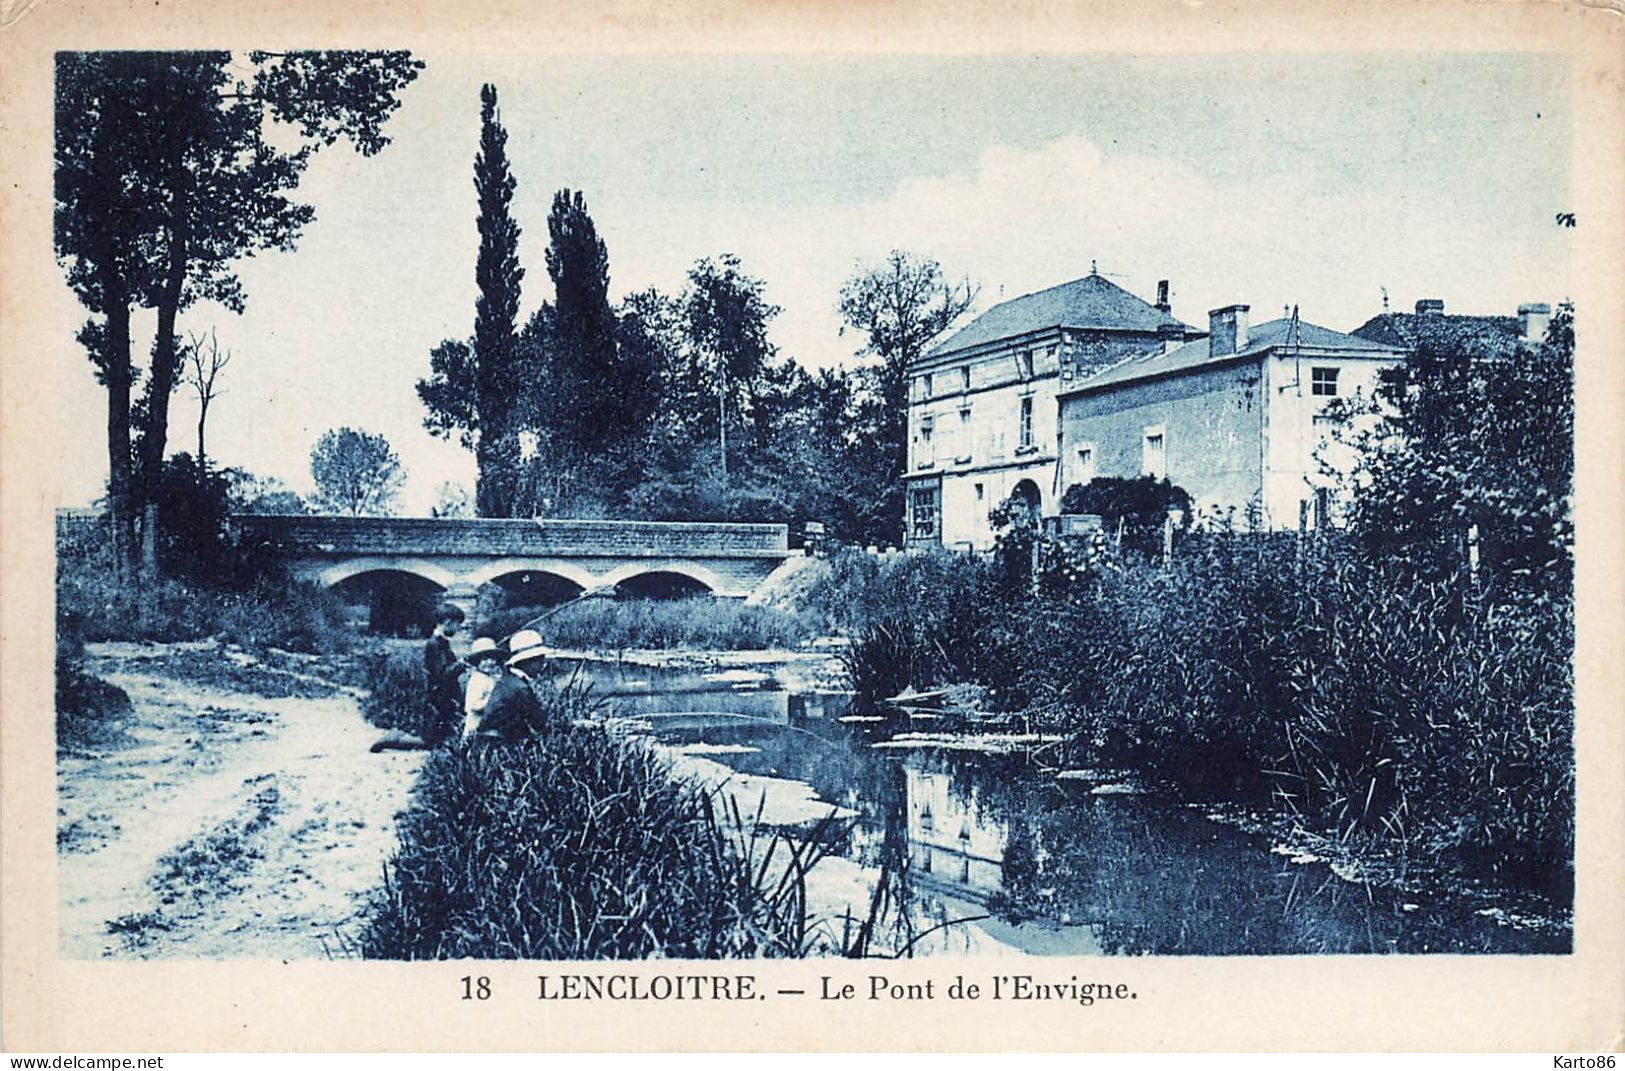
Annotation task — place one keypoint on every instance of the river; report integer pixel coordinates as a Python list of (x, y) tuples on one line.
[(981, 847), (241, 813)]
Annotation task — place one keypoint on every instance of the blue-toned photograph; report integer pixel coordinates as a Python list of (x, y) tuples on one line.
[(741, 506)]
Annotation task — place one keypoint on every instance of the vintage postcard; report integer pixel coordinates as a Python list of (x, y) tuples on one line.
[(779, 526)]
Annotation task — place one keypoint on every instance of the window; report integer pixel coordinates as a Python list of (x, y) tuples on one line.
[(964, 378), (962, 447), (1154, 461), (1086, 464), (1025, 360), (981, 492), (1323, 381), (923, 517), (1026, 422), (928, 448), (925, 386), (1323, 507)]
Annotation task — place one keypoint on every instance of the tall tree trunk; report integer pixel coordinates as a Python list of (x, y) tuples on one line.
[(120, 501), (165, 352), (202, 417)]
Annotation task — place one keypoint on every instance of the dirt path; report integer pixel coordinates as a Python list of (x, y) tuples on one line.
[(233, 820)]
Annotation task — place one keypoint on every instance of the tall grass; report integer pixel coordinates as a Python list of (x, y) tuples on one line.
[(698, 623), (577, 844), (1432, 719)]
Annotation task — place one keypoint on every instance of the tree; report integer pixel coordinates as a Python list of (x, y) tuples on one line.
[(1471, 458), (580, 405), (164, 178), (202, 361), (899, 307), (451, 500), (356, 473), (474, 390), (248, 493), (727, 319)]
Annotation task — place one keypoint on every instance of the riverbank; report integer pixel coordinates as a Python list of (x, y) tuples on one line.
[(233, 812)]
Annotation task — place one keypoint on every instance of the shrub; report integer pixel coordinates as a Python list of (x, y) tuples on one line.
[(87, 708), (94, 604), (397, 689)]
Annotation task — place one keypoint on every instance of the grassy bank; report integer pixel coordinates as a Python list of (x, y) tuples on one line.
[(1431, 720), (575, 844), (698, 623), (264, 611)]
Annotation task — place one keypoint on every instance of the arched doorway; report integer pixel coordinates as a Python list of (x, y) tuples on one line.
[(1027, 495), (390, 602)]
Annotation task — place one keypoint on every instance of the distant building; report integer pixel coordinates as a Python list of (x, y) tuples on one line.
[(1235, 419), (982, 410), (1429, 323)]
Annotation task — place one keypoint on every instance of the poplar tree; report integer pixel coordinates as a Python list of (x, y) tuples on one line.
[(472, 390)]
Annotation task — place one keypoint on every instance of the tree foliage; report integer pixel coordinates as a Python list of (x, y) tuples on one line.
[(898, 307), (356, 472), (165, 178), (1471, 452), (473, 389), (1138, 508)]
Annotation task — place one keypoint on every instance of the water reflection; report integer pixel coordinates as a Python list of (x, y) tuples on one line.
[(1044, 867)]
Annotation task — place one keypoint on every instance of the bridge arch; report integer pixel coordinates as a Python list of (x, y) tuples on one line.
[(698, 573), (491, 572), (339, 572)]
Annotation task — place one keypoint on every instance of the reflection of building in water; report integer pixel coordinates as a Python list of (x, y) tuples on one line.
[(950, 841)]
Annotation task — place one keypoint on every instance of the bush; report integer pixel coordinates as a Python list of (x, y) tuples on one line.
[(397, 690), (87, 708), (94, 604)]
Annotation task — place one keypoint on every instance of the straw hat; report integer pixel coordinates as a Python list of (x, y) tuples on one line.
[(525, 644), (483, 647)]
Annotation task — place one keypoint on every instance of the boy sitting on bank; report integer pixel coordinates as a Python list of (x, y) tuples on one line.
[(507, 710)]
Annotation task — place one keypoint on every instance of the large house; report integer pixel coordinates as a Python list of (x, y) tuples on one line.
[(982, 405), (1236, 418)]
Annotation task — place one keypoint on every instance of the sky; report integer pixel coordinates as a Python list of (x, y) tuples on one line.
[(1316, 180)]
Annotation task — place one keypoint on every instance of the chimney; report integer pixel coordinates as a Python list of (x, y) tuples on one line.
[(1532, 321), (1162, 297), (1172, 336), (1430, 307), (1227, 330)]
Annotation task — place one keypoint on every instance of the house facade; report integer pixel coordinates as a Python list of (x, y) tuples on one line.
[(983, 417), (1236, 418)]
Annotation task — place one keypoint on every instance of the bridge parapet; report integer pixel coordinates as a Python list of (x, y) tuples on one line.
[(449, 537)]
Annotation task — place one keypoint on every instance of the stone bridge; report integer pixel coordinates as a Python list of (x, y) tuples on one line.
[(571, 556)]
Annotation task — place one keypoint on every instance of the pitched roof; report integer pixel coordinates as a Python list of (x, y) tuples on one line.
[(1090, 302), (1407, 330), (1193, 355)]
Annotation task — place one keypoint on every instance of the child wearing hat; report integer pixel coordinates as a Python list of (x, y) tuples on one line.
[(485, 661), (511, 709)]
